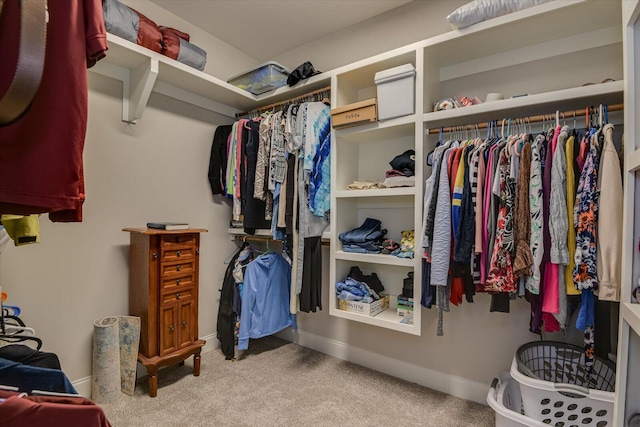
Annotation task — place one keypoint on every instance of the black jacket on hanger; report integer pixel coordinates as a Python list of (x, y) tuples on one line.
[(226, 315), (252, 208), (218, 160)]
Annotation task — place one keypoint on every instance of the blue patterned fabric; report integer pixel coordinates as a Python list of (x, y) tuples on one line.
[(320, 177)]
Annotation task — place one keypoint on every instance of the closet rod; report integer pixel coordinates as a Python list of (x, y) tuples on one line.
[(287, 101), (265, 239), (532, 119)]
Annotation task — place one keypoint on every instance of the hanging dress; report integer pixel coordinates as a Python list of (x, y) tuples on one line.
[(501, 277)]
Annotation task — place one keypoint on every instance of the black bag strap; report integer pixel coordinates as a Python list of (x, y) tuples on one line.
[(31, 54)]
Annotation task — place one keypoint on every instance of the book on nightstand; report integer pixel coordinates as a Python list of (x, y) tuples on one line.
[(168, 225)]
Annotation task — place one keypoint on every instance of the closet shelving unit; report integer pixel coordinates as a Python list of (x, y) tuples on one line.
[(142, 71), (628, 368), (363, 153), (557, 53)]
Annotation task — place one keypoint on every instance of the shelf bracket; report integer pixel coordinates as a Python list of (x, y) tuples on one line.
[(137, 89)]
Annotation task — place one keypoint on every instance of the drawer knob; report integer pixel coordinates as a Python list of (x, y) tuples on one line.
[(184, 323), (178, 282), (178, 267), (197, 251), (179, 239), (171, 328), (178, 295), (178, 253), (154, 255)]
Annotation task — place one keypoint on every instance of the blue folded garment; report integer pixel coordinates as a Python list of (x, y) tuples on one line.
[(354, 290), (369, 230)]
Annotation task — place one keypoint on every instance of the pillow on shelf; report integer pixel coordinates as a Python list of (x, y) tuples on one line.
[(131, 25), (177, 46), (481, 10)]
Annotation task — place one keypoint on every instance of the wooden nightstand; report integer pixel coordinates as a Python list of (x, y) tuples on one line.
[(163, 292)]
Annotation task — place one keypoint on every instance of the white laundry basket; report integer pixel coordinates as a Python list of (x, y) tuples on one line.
[(556, 388), (504, 398)]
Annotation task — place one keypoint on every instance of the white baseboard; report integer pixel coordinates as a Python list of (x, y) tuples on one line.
[(446, 383), (212, 342), (83, 385)]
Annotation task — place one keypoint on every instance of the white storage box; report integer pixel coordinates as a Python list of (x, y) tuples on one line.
[(504, 398), (396, 91), (370, 310)]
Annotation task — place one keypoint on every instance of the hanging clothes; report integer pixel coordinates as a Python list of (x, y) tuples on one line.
[(226, 313), (558, 226), (41, 165), (572, 185), (218, 159), (265, 298), (523, 259), (253, 209), (609, 249), (439, 228), (537, 214), (585, 218)]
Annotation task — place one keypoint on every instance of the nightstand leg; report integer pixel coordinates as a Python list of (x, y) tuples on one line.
[(196, 365), (153, 383)]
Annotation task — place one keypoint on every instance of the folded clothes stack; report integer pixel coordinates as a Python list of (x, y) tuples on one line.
[(407, 244), (365, 239), (359, 287), (403, 170)]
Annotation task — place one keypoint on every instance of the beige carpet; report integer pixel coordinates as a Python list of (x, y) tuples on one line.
[(277, 383)]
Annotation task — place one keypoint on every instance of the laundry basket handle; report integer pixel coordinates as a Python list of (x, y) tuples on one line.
[(571, 388)]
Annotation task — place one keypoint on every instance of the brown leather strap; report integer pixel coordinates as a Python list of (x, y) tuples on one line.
[(28, 73)]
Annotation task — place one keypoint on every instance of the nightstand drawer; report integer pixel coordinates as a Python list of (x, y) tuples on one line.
[(176, 283), (178, 254), (177, 240), (174, 268), (177, 296)]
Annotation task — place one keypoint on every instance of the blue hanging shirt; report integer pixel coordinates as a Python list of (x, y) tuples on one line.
[(265, 298)]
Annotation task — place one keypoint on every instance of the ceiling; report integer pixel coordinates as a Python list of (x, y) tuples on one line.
[(263, 29)]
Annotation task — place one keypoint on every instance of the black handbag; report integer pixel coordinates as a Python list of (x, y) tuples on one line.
[(301, 72)]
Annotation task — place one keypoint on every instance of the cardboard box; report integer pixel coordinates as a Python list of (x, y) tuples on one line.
[(370, 310), (359, 113)]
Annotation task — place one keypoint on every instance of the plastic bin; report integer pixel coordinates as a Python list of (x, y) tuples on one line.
[(505, 399), (556, 389), (265, 78), (396, 91)]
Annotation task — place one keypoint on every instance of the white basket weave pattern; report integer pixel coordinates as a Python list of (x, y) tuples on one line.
[(557, 389)]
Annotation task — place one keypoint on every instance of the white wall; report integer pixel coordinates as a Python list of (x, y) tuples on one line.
[(414, 21), (223, 60), (157, 170), (154, 170)]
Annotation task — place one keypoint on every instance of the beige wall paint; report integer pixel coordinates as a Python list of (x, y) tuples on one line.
[(477, 345), (223, 60), (154, 170), (157, 170), (415, 21)]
